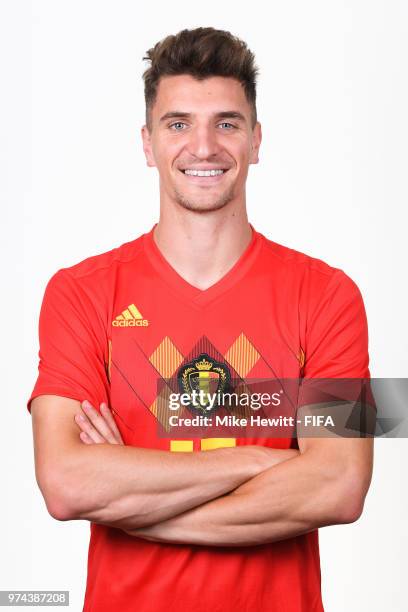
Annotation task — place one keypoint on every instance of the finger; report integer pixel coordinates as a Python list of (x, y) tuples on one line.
[(107, 413), (85, 438), (99, 422), (85, 425)]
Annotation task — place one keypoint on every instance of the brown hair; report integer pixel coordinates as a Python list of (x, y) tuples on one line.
[(201, 53)]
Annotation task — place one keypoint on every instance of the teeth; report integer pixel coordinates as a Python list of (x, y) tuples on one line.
[(203, 172)]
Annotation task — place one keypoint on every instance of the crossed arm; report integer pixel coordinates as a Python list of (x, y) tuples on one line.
[(238, 496), (295, 496)]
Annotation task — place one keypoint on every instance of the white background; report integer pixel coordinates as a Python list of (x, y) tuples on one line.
[(331, 182)]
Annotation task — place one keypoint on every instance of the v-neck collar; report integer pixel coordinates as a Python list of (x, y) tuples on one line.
[(201, 297)]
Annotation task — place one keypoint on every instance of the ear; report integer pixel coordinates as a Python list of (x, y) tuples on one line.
[(256, 143), (147, 146)]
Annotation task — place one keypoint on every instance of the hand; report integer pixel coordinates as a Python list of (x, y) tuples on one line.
[(97, 428)]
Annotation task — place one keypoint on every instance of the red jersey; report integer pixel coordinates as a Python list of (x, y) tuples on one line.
[(113, 324)]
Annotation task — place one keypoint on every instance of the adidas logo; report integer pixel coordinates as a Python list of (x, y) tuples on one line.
[(130, 317)]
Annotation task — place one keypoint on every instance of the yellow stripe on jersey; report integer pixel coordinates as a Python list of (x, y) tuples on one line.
[(212, 443), (181, 446)]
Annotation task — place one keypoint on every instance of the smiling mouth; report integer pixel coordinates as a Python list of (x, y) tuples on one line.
[(214, 172)]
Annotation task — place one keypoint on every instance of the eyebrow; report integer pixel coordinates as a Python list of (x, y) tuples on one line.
[(221, 115)]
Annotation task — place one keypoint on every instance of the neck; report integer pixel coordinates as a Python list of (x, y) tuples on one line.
[(202, 247)]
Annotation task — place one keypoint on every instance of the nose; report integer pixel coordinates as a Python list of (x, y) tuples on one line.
[(203, 142)]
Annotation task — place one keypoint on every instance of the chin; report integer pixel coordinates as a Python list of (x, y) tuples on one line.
[(204, 204)]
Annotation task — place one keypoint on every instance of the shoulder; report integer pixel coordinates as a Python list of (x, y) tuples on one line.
[(92, 280), (98, 273), (301, 269), (103, 263), (296, 261)]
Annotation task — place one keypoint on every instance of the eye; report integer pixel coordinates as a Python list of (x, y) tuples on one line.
[(226, 125), (177, 126)]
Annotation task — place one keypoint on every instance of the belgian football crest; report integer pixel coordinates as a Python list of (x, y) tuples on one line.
[(201, 378)]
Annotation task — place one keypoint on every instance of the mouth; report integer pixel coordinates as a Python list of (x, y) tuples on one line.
[(204, 177), (209, 172)]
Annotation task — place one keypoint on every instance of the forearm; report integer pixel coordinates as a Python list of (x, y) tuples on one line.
[(130, 487), (287, 500)]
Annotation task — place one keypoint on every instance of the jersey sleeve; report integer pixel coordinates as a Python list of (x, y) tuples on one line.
[(72, 342), (337, 333), (336, 365)]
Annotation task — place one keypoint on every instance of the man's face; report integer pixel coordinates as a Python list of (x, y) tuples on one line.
[(201, 140)]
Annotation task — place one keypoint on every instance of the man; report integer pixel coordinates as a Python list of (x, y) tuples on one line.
[(172, 527)]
